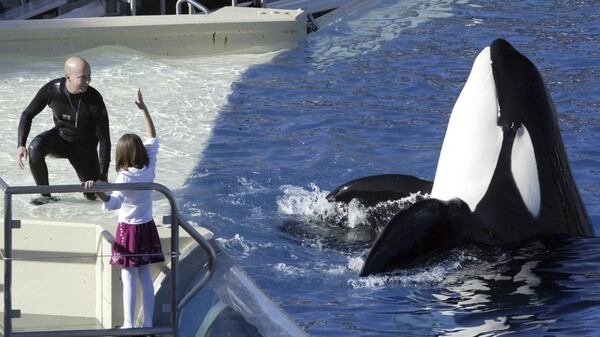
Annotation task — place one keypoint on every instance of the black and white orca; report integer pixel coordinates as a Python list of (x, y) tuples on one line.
[(502, 177)]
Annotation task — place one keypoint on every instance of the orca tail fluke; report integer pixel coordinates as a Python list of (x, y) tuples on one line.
[(414, 234), (372, 190)]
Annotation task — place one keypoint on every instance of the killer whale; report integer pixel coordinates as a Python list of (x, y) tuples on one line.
[(502, 177)]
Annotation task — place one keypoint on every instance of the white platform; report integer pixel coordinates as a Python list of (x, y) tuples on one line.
[(62, 278), (225, 31)]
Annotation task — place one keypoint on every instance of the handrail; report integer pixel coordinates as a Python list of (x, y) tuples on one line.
[(177, 221), (212, 258), (94, 333), (3, 184), (190, 3)]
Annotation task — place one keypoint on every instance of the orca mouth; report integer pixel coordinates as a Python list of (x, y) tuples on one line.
[(509, 128), (502, 54), (516, 78)]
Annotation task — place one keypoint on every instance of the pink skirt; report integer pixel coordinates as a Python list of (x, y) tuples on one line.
[(136, 245)]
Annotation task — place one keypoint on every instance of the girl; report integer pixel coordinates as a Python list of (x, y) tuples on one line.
[(136, 242)]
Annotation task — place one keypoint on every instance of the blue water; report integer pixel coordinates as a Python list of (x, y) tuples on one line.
[(371, 93)]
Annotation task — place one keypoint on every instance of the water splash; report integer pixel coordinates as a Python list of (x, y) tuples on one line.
[(311, 203), (312, 206), (357, 213)]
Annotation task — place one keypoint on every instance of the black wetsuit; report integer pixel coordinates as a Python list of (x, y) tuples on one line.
[(81, 123)]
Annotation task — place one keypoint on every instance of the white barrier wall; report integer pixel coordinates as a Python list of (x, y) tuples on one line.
[(62, 270), (227, 30)]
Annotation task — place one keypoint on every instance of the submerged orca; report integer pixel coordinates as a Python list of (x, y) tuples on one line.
[(502, 178)]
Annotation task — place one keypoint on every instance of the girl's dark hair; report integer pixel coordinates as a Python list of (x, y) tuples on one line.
[(131, 152)]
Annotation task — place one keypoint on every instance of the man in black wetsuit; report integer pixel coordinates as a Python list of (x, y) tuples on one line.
[(81, 123)]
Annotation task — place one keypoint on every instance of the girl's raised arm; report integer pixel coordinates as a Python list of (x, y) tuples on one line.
[(150, 131)]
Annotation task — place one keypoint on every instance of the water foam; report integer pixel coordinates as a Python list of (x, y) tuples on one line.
[(309, 203), (312, 204), (442, 272), (238, 243), (357, 213), (355, 34), (288, 270)]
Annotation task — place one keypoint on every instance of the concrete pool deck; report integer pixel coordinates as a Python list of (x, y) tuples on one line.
[(225, 31)]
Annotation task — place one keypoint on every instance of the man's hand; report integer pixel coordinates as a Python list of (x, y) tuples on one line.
[(88, 184), (21, 156)]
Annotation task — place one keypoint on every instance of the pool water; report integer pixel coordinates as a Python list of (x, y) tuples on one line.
[(372, 94)]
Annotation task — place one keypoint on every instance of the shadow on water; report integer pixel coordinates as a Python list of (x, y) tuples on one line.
[(316, 117)]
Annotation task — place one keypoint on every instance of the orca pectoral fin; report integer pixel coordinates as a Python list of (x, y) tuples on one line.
[(374, 189), (423, 228)]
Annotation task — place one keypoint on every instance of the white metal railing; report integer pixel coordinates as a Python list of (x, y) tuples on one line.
[(192, 4), (176, 222)]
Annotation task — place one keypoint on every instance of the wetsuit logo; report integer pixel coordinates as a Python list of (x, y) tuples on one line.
[(66, 117)]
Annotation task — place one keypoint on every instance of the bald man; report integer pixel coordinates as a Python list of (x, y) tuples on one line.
[(80, 125)]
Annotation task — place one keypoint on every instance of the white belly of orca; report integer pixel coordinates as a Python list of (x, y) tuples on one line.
[(472, 145)]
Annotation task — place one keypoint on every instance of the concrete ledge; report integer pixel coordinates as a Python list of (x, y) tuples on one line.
[(228, 30)]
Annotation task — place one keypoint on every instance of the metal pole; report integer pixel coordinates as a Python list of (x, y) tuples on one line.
[(174, 264), (7, 264), (133, 7), (97, 333)]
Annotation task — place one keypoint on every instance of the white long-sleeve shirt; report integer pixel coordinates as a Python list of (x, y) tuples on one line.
[(135, 207)]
